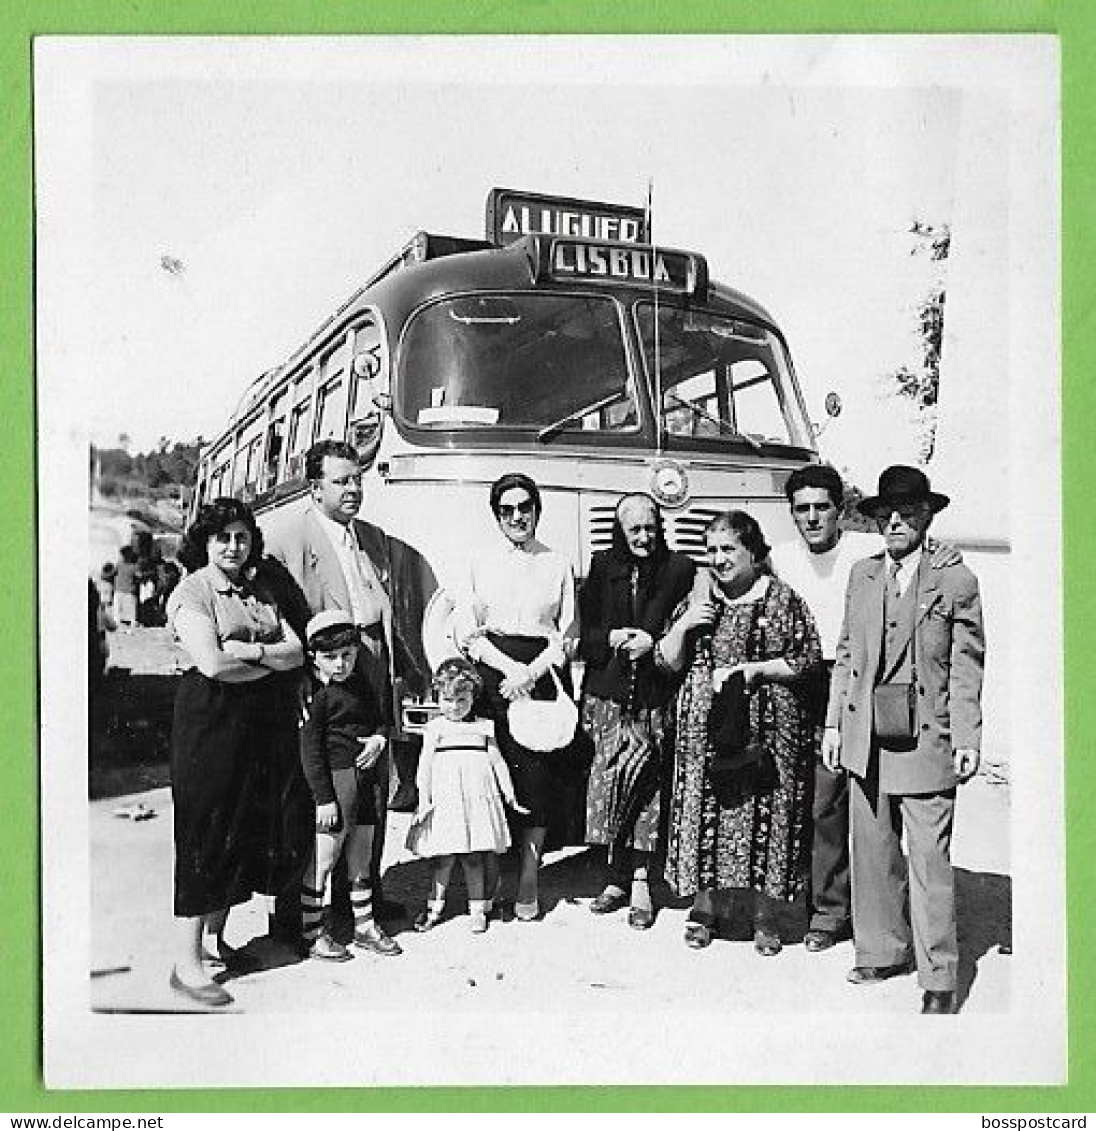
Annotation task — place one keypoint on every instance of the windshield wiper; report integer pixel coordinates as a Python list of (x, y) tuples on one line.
[(722, 425), (549, 430)]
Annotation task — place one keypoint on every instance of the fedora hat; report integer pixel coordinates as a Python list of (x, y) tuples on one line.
[(900, 484)]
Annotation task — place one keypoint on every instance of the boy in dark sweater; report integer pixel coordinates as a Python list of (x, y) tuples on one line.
[(342, 740)]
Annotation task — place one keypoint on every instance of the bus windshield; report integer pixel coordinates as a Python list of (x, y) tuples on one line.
[(545, 363), (723, 381)]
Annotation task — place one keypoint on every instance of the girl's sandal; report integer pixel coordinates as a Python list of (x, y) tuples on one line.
[(427, 920)]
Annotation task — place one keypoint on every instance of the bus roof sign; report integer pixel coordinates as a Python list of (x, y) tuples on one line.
[(567, 261), (511, 215)]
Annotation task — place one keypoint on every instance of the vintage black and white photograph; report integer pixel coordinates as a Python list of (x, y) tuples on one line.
[(568, 529)]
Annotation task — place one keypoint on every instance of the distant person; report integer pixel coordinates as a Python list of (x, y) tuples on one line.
[(233, 710), (748, 829), (100, 622), (148, 592), (464, 787), (169, 578), (339, 561), (342, 740), (625, 605), (125, 589), (905, 720), (105, 585), (515, 618)]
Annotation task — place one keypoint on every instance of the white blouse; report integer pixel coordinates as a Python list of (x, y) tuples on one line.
[(518, 591)]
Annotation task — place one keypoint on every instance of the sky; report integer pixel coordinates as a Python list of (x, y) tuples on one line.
[(275, 177)]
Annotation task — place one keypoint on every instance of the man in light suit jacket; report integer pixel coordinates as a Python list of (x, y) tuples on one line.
[(904, 718), (340, 562)]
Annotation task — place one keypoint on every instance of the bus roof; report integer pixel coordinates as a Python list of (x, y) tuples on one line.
[(431, 266), (510, 267)]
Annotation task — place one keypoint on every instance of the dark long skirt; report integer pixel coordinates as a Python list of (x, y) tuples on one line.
[(238, 822), (548, 783)]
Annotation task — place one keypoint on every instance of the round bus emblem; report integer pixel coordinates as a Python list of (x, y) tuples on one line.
[(669, 483)]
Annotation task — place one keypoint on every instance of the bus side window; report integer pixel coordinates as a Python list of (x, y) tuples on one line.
[(275, 442), (330, 405), (334, 376), (368, 370), (298, 438)]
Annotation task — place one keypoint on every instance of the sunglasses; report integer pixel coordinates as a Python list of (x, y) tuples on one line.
[(905, 511), (507, 511)]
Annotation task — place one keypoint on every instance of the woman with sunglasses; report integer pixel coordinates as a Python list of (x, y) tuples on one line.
[(515, 620)]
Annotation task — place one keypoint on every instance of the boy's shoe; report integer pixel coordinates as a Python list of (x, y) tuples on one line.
[(326, 949), (371, 937)]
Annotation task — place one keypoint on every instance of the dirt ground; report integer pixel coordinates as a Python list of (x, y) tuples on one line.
[(569, 960)]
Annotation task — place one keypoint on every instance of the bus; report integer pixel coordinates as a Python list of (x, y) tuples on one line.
[(565, 345)]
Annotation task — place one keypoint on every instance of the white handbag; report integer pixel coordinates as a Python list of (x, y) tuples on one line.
[(543, 724)]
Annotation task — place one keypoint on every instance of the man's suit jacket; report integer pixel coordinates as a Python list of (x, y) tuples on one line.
[(948, 651), (301, 544)]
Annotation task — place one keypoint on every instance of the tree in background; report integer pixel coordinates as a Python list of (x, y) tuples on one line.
[(920, 384), (166, 471)]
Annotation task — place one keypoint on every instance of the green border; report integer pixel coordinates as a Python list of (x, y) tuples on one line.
[(20, 1077)]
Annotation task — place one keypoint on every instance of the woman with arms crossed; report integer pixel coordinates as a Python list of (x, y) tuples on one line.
[(230, 718)]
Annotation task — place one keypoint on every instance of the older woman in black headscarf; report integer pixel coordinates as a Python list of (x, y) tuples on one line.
[(626, 603)]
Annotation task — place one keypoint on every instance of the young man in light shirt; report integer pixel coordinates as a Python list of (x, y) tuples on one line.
[(817, 565)]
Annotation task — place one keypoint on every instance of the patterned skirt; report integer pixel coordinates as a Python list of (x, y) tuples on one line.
[(611, 796)]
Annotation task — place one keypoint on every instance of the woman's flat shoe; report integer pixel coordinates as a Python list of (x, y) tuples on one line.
[(527, 912), (697, 935), (641, 918), (608, 902), (209, 993), (767, 941)]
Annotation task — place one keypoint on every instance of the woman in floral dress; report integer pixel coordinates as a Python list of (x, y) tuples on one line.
[(741, 619)]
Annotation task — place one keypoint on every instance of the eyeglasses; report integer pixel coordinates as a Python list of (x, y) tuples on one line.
[(508, 512), (346, 481), (905, 511)]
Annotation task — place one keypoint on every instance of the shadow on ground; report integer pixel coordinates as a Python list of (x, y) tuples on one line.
[(984, 913), (129, 733)]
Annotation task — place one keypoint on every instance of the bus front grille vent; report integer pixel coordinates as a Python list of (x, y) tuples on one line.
[(684, 529), (599, 532)]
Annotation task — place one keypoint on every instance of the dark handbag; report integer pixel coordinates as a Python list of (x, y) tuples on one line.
[(740, 766), (405, 764), (894, 712)]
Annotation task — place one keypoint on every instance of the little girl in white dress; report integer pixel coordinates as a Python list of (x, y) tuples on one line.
[(464, 786)]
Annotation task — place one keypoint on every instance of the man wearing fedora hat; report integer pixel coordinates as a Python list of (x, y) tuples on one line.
[(904, 718)]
